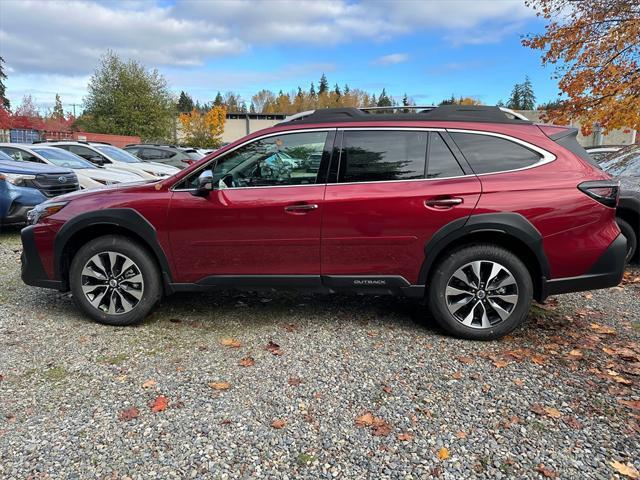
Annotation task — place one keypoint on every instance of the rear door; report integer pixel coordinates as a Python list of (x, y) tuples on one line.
[(384, 202)]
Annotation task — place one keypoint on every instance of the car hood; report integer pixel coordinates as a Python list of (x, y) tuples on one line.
[(160, 168), (30, 168), (109, 175), (100, 190)]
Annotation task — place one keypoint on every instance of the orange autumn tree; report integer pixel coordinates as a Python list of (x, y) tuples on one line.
[(203, 130), (595, 46)]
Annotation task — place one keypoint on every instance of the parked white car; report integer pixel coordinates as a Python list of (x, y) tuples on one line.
[(115, 158), (89, 175)]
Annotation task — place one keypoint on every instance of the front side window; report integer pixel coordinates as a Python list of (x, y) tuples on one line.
[(487, 154), (117, 154), (62, 158), (83, 152), (374, 156), (20, 155), (288, 159)]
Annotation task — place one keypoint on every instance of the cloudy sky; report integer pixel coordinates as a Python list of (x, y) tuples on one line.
[(429, 49)]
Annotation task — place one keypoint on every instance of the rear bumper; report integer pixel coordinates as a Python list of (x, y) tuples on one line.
[(32, 270), (606, 272)]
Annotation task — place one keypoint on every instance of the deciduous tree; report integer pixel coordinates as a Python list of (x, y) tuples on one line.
[(595, 48), (4, 101), (204, 130)]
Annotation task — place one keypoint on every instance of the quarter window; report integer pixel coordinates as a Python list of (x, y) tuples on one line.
[(442, 163), (488, 154), (372, 156)]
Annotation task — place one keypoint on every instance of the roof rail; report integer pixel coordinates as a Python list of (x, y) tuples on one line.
[(452, 113)]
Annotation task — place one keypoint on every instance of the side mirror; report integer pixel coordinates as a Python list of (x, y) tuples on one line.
[(205, 185), (97, 160)]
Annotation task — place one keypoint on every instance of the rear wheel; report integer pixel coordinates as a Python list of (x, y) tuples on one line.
[(115, 280), (480, 292), (631, 236)]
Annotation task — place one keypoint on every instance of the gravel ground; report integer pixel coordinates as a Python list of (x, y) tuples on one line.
[(357, 387)]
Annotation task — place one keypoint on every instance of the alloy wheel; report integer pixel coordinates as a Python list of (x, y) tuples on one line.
[(481, 294), (112, 283)]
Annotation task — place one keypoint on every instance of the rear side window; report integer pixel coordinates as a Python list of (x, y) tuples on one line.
[(441, 162), (487, 154), (373, 156)]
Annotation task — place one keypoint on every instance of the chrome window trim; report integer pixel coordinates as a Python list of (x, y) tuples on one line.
[(261, 137), (547, 157)]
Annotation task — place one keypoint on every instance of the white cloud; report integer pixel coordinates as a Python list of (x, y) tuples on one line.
[(391, 59)]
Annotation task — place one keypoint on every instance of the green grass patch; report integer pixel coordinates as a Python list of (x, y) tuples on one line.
[(56, 374), (304, 459), (117, 360)]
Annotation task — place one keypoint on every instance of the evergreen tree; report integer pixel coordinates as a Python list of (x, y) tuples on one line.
[(337, 91), (500, 103), (185, 103), (346, 89), (449, 101), (218, 101), (323, 87), (312, 91), (527, 97), (384, 100), (252, 108), (58, 111), (515, 100), (4, 101)]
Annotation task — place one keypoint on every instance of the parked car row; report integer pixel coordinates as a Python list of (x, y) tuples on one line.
[(29, 172), (467, 209)]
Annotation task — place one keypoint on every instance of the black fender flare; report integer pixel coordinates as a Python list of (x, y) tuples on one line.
[(126, 218), (507, 223)]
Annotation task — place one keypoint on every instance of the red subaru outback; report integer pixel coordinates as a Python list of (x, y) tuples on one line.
[(470, 209)]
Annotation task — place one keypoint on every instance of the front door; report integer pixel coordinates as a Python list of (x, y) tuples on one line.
[(263, 217), (386, 203)]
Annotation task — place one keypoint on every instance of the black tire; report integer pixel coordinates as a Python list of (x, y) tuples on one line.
[(631, 236), (144, 262), (456, 259)]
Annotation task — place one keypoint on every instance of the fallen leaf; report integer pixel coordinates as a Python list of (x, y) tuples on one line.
[(405, 437), (220, 385), (247, 362), (381, 428), (547, 472), (601, 329), (537, 409), (500, 363), (291, 327), (572, 422), (386, 389), (443, 453), (552, 412), (274, 348), (457, 375), (465, 360), (634, 404), (461, 434), (588, 296), (576, 354), (151, 383), (519, 382), (129, 414), (365, 420), (230, 342), (294, 381), (161, 403), (539, 359), (626, 470), (278, 424), (226, 421)]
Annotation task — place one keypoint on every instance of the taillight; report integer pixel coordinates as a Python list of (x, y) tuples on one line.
[(604, 191)]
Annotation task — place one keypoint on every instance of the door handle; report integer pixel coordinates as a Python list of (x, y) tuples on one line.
[(443, 202), (300, 208)]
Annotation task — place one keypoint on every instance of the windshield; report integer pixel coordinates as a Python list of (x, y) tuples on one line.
[(62, 158), (626, 162), (116, 154)]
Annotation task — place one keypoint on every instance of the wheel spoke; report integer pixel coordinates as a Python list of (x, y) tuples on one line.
[(97, 298), (476, 267), (469, 318), (512, 299), (499, 310), (90, 271), (450, 291), (495, 270), (485, 319), (460, 275), (455, 306)]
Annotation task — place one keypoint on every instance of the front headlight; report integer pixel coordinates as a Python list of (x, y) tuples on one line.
[(105, 182), (16, 178), (44, 210)]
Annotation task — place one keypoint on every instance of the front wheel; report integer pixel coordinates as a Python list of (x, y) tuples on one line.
[(480, 292), (115, 280)]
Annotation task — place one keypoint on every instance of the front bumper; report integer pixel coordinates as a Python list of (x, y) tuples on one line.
[(32, 269), (606, 272)]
